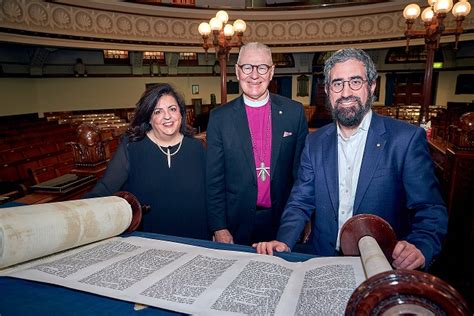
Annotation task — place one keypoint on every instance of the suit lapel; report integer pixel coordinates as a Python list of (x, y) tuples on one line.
[(242, 133), (278, 116), (373, 151), (329, 153)]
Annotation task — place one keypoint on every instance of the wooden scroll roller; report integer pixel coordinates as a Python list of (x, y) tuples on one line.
[(387, 291), (137, 209), (32, 231)]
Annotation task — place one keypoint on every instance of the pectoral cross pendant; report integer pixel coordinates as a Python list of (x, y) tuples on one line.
[(263, 171)]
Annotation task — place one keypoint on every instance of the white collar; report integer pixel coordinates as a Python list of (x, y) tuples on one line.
[(363, 126), (256, 104)]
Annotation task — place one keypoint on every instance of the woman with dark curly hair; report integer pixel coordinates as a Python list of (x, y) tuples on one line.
[(161, 163)]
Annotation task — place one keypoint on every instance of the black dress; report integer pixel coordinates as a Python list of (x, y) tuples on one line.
[(176, 195)]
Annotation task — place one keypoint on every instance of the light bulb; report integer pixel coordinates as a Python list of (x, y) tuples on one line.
[(461, 9), (228, 30), (223, 16), (443, 6), (427, 15), (240, 26), (204, 29), (411, 11), (216, 24)]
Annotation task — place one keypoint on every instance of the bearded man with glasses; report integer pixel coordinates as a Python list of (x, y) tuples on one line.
[(254, 145), (364, 163)]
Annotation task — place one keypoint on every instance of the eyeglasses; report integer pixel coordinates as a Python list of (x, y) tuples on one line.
[(355, 84), (261, 69)]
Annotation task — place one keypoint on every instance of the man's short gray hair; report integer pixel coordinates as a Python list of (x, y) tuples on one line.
[(255, 46)]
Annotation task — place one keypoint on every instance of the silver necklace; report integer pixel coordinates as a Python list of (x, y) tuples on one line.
[(262, 171), (167, 153)]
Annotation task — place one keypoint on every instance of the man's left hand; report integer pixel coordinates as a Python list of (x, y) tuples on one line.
[(407, 256)]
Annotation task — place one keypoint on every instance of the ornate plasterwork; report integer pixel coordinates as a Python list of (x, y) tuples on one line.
[(71, 24)]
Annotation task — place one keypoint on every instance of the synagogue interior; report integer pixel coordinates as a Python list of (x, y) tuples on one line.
[(72, 68)]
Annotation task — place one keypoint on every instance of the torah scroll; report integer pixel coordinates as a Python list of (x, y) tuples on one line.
[(29, 232)]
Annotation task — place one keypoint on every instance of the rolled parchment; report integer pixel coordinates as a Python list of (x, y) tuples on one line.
[(33, 231)]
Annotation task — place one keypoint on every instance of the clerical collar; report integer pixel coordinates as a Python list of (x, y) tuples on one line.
[(256, 104)]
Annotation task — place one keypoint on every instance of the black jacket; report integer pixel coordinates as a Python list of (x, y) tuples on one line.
[(230, 169)]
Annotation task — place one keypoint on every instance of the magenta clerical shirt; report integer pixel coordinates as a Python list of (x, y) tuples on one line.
[(260, 124)]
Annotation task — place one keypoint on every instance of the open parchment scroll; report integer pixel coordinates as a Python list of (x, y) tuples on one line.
[(174, 276)]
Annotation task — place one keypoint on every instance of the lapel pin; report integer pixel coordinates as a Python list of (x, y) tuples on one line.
[(378, 145), (280, 112)]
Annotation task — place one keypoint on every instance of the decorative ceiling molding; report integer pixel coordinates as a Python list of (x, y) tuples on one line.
[(123, 25)]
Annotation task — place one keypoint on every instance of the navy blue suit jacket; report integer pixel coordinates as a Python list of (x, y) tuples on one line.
[(230, 169), (396, 182)]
